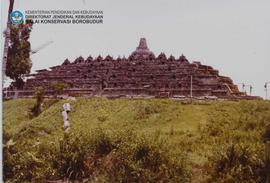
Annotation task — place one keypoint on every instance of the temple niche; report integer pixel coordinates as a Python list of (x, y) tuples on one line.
[(140, 74)]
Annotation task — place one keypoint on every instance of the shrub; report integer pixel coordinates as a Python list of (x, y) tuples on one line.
[(238, 163), (145, 109), (70, 157), (120, 156), (23, 166), (39, 95), (127, 157), (266, 134), (264, 172), (102, 115), (101, 143), (58, 87)]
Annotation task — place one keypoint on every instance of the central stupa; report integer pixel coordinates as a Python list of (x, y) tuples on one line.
[(142, 51)]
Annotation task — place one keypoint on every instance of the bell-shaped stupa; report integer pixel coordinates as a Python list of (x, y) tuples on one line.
[(142, 51)]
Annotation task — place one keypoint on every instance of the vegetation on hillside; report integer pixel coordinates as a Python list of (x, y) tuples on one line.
[(138, 141)]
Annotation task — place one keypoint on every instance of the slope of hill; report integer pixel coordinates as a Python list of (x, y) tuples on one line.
[(138, 141)]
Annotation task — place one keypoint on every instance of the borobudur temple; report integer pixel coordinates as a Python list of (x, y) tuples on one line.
[(142, 74)]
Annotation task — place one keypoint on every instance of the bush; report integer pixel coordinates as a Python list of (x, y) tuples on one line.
[(58, 87), (39, 95), (70, 157), (101, 143), (239, 163), (127, 157), (266, 133), (265, 171), (145, 109), (24, 166), (104, 156)]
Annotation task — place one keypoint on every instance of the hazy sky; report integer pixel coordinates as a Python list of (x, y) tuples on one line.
[(233, 36)]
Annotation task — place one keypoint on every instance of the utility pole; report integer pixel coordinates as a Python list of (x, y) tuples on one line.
[(250, 89), (243, 86), (7, 41), (265, 86)]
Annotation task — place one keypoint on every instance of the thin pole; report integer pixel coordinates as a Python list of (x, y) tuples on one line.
[(250, 89), (243, 86), (266, 97)]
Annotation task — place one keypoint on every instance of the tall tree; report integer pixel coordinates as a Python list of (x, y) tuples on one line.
[(7, 40), (18, 58)]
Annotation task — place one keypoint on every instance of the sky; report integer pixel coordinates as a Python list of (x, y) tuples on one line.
[(232, 36)]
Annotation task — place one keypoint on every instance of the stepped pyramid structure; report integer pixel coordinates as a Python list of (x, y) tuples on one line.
[(141, 74)]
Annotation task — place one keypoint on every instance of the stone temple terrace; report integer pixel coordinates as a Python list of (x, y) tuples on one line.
[(142, 74)]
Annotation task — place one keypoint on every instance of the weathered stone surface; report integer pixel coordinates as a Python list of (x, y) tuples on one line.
[(141, 74)]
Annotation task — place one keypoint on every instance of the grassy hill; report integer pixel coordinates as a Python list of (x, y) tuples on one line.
[(138, 141)]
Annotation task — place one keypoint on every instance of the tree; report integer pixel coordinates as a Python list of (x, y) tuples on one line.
[(18, 60), (7, 40), (58, 87), (39, 95)]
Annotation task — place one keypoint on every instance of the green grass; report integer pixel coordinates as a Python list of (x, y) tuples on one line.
[(197, 130), (146, 116)]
